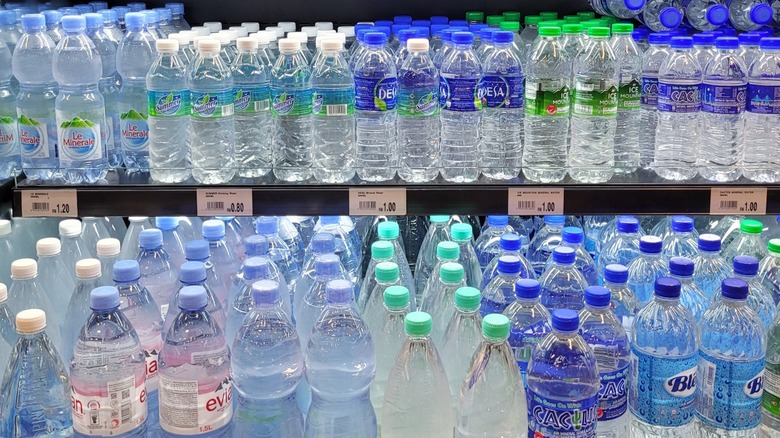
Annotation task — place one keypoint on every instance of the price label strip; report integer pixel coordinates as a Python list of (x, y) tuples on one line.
[(530, 201), (50, 203), (377, 201), (225, 202), (738, 200)]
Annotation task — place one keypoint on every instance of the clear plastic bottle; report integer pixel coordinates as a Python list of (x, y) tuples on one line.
[(463, 235), (573, 237), (461, 338), (563, 285), (177, 17), (709, 268), (87, 275), (682, 240), (646, 268), (110, 399), (562, 371), (439, 300), (53, 25), (624, 247), (624, 302), (544, 241), (26, 292), (153, 24), (746, 15), (446, 252), (426, 257), (135, 55), (691, 295), (761, 144), (487, 244), (278, 251), (130, 243), (371, 301), (747, 242), (705, 15), (530, 34), (92, 230), (157, 273), (54, 276), (73, 246), (769, 269), (629, 58), (417, 398), (498, 294), (661, 15), (679, 104), (651, 64), (529, 320), (760, 299), (110, 26), (509, 245), (225, 262), (173, 240), (704, 48), (10, 158), (389, 231), (664, 343), (308, 307), (165, 25), (8, 335)]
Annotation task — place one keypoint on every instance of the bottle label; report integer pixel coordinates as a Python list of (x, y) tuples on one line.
[(613, 394), (730, 392), (212, 105), (8, 137), (763, 99), (118, 408), (561, 419), (723, 99), (462, 95), (676, 98), (288, 103), (542, 102), (151, 353), (33, 137), (590, 101), (502, 91), (169, 104), (629, 96), (770, 400), (376, 94), (524, 339), (442, 92), (79, 139), (418, 102), (664, 389), (188, 409), (649, 91), (135, 131), (334, 102), (250, 100)]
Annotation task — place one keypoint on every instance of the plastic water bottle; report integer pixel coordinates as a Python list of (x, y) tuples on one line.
[(705, 15), (54, 276), (769, 271), (646, 268), (221, 256), (691, 295), (760, 120), (446, 252), (529, 321), (8, 335), (112, 400), (194, 274), (463, 235), (563, 285), (747, 242), (417, 397), (747, 15), (130, 243), (177, 15), (26, 292), (308, 307), (682, 241), (619, 8), (388, 341), (487, 245), (53, 25), (74, 248), (499, 292), (426, 257), (736, 369), (173, 240), (661, 15), (266, 374), (704, 48), (195, 372), (110, 26), (770, 417), (709, 267), (760, 299), (679, 104), (87, 275), (629, 59), (553, 380), (94, 229), (439, 300), (36, 393), (624, 303), (371, 302), (35, 102), (749, 48), (530, 34), (544, 241), (157, 273), (651, 64), (10, 160), (624, 247), (573, 237), (135, 55), (389, 231), (509, 246), (664, 343), (461, 338)]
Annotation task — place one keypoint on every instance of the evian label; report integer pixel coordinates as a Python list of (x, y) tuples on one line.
[(187, 408), (151, 353), (118, 408), (33, 138), (79, 139), (134, 130)]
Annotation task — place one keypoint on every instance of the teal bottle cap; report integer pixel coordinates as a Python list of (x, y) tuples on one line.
[(418, 324), (396, 297), (386, 272), (495, 327), (388, 230), (451, 272), (467, 298)]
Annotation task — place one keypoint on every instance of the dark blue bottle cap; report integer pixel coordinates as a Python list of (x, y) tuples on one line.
[(327, 264), (166, 222), (126, 271), (439, 19), (734, 288), (555, 219), (681, 266), (255, 245), (509, 265), (640, 34), (615, 273), (634, 5), (436, 29), (37, 21), (727, 43), (680, 42), (510, 242), (213, 229), (192, 272), (460, 23), (565, 320), (761, 13), (362, 26), (597, 296), (383, 23), (564, 255), (375, 38), (486, 35), (135, 20), (405, 35), (745, 265), (498, 221), (627, 224), (104, 298), (421, 23), (682, 224), (476, 27), (527, 288), (670, 17), (151, 238), (749, 39), (323, 243), (703, 39), (650, 245), (402, 19), (387, 30), (267, 225), (728, 31), (667, 287), (709, 243), (197, 250), (717, 15), (770, 43), (256, 267), (422, 32), (192, 298), (339, 291), (265, 292), (463, 38), (659, 38), (572, 235), (397, 28)]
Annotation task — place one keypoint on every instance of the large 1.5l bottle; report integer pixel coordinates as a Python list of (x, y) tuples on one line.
[(629, 58), (761, 127)]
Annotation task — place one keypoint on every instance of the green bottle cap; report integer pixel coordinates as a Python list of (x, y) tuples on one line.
[(514, 26), (610, 20), (451, 272), (475, 16), (382, 250), (572, 29), (587, 15), (495, 327), (598, 32), (751, 226), (547, 23), (461, 232), (604, 22), (548, 15), (573, 19), (418, 324), (532, 19), (386, 272), (388, 230), (447, 251), (511, 16), (774, 246), (437, 219), (550, 31), (494, 20), (587, 24), (396, 297), (622, 28), (467, 298)]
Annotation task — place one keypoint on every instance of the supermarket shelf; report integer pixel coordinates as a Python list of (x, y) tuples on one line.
[(6, 197)]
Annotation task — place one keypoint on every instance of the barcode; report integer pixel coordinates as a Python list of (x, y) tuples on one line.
[(126, 413), (40, 206), (526, 205), (728, 205), (584, 86), (336, 110), (262, 105), (707, 400), (580, 108), (710, 377), (227, 110), (367, 205), (215, 205)]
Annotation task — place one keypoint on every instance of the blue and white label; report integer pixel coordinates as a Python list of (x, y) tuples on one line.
[(462, 94), (720, 99), (763, 99), (730, 392), (79, 139), (677, 98), (664, 389), (8, 145), (248, 100), (208, 105), (33, 137), (613, 395), (649, 91), (502, 91), (372, 94), (169, 103), (550, 418)]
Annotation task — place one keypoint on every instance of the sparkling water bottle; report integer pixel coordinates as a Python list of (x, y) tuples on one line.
[(747, 242), (157, 273), (624, 303), (691, 295), (705, 15), (761, 144), (646, 268), (682, 241), (651, 64), (529, 320), (87, 275), (545, 240), (661, 15), (629, 58), (426, 257), (563, 285), (461, 339), (709, 268), (746, 15), (624, 247)]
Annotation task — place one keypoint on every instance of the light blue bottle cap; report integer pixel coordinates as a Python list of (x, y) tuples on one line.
[(32, 22), (681, 266), (136, 6), (68, 11), (510, 242), (670, 17), (267, 225), (265, 292), (573, 235), (176, 7), (327, 264), (135, 20), (197, 250), (152, 17), (8, 17), (166, 223), (104, 298), (339, 291), (151, 238), (74, 23), (213, 229), (126, 271), (734, 288), (745, 265), (597, 296), (761, 13), (192, 272), (109, 15), (717, 15), (527, 288), (84, 9), (121, 11), (165, 14), (461, 232), (509, 265), (256, 267), (192, 298), (498, 221), (256, 245), (323, 243), (329, 220), (388, 230), (564, 255), (94, 21), (555, 219)]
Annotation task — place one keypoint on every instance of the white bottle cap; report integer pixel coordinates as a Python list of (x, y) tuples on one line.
[(310, 31), (48, 246), (417, 45), (190, 32), (138, 218), (195, 42), (240, 30), (223, 38), (231, 35), (5, 227), (70, 228), (251, 26), (167, 45), (324, 25), (330, 36), (299, 36), (3, 293), (246, 44), (23, 269), (173, 36), (30, 321), (108, 247), (271, 34), (277, 30), (262, 38), (209, 45), (347, 30), (289, 46), (88, 268), (326, 32), (287, 26), (201, 30), (213, 26), (182, 38), (332, 44)]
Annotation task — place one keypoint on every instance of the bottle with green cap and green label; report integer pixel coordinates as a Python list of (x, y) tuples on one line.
[(381, 251), (629, 59), (461, 338), (390, 232), (474, 17), (417, 397), (446, 252), (386, 274), (426, 256), (594, 110), (440, 302), (747, 242), (463, 235), (495, 388)]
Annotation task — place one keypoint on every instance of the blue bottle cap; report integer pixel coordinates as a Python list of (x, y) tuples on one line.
[(152, 17), (555, 219), (439, 19), (323, 243), (670, 17), (680, 42), (749, 39), (104, 298), (446, 34), (192, 298), (597, 296), (650, 245), (476, 27), (627, 224), (32, 22), (436, 29), (121, 11), (770, 43), (709, 243), (615, 273), (361, 30), (265, 292), (329, 220), (176, 7), (734, 288), (94, 21), (634, 5), (109, 15), (256, 245), (126, 271), (421, 23), (510, 242), (327, 264), (745, 265), (572, 235), (256, 267), (659, 38), (640, 34), (375, 38), (150, 238), (384, 23), (564, 255), (565, 320), (74, 23), (728, 31), (761, 13), (682, 224), (397, 28), (681, 266), (463, 38), (667, 287), (498, 36), (339, 291), (461, 23), (197, 250), (405, 35), (422, 32), (486, 34), (165, 14), (717, 15), (509, 264), (387, 30), (267, 225), (727, 43), (213, 229), (135, 20), (192, 272), (498, 221), (167, 222), (68, 11), (703, 39), (7, 17), (527, 288)]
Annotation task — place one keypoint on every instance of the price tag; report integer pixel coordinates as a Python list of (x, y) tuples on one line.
[(50, 203), (529, 201), (225, 202), (377, 201), (738, 200)]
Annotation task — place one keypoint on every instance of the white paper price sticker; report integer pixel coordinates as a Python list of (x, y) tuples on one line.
[(50, 203), (377, 201), (529, 201), (225, 202), (738, 200)]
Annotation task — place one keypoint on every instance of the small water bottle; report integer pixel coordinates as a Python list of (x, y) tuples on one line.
[(746, 15), (563, 285), (651, 63), (705, 15), (624, 302), (157, 273), (629, 58), (461, 339), (53, 25), (761, 141), (661, 15), (619, 8), (704, 48), (529, 322), (646, 268), (747, 242)]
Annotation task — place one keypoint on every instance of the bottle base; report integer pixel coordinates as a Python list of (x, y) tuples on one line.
[(711, 174), (289, 175), (676, 173), (591, 176), (544, 175)]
